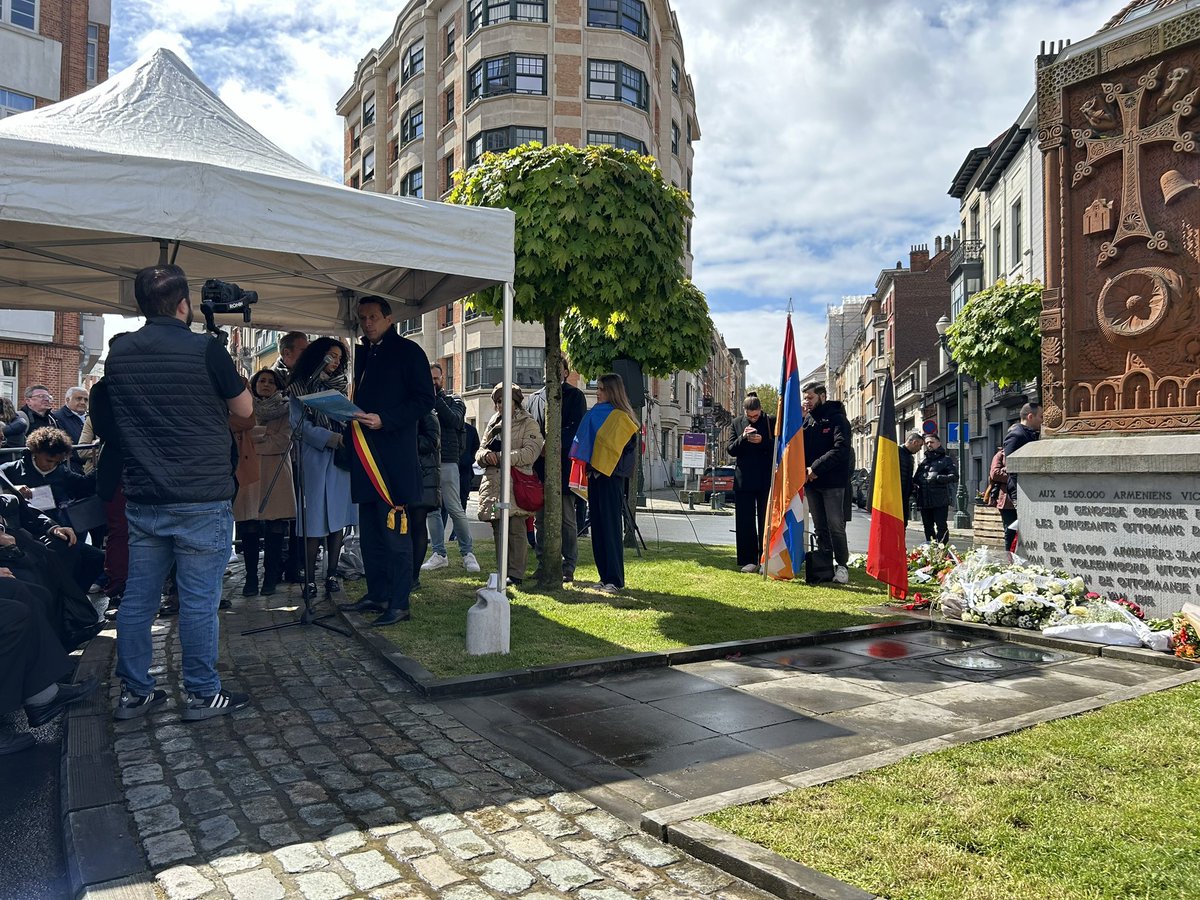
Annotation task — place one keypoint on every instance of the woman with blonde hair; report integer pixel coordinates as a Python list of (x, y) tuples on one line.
[(526, 448), (603, 451)]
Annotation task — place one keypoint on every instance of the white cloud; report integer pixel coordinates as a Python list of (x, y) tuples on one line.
[(759, 333)]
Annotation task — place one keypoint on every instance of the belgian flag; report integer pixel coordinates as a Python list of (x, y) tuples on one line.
[(886, 557)]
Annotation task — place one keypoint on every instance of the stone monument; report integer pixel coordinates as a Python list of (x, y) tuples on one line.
[(1112, 490)]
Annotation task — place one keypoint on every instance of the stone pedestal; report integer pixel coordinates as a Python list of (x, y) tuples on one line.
[(1122, 511), (488, 621)]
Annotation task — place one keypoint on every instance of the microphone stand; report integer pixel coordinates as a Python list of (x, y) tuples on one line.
[(308, 615)]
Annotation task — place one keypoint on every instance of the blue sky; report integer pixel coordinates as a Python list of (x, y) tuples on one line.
[(830, 131)]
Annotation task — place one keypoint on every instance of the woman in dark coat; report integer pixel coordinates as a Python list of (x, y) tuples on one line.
[(429, 453), (752, 446), (934, 486)]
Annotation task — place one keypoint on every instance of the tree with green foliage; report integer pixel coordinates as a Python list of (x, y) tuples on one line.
[(768, 396), (598, 231), (997, 336)]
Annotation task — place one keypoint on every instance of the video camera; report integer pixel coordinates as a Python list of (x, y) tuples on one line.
[(222, 297)]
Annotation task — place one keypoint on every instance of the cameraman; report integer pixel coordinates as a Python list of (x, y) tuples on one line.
[(171, 392)]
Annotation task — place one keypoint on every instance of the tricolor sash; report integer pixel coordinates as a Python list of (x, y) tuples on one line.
[(363, 451)]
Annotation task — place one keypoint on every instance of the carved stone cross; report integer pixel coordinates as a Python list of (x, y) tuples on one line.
[(1128, 142)]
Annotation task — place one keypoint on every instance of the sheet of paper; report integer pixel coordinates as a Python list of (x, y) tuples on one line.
[(43, 498), (333, 403)]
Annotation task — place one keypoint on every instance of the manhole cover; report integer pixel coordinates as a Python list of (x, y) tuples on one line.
[(973, 660), (1017, 653)]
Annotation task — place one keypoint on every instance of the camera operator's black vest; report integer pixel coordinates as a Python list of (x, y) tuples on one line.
[(173, 426)]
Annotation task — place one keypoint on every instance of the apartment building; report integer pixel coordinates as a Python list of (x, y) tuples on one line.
[(457, 78), (49, 50)]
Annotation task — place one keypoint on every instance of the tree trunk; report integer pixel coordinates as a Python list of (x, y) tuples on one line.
[(550, 569)]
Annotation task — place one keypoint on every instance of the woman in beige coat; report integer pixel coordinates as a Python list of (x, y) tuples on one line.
[(526, 447), (269, 440)]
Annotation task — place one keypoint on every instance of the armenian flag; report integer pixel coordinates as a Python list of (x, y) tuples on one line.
[(886, 558), (599, 443), (787, 509)]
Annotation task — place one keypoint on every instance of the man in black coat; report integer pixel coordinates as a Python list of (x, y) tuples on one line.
[(38, 401), (827, 456), (908, 462), (393, 387), (752, 447), (574, 408), (934, 484), (1023, 432)]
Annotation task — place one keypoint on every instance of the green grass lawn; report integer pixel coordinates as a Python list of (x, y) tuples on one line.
[(676, 596), (1105, 805)]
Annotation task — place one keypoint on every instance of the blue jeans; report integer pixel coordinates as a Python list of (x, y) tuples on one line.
[(454, 507), (196, 537)]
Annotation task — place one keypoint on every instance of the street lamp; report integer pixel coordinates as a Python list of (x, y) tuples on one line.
[(961, 519)]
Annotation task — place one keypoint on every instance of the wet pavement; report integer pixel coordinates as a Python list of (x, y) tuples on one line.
[(654, 738)]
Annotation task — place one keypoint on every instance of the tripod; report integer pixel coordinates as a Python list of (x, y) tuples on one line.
[(308, 616)]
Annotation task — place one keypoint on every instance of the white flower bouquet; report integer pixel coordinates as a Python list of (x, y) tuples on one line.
[(990, 589)]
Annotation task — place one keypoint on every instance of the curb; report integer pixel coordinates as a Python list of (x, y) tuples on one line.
[(104, 859), (433, 687), (678, 825)]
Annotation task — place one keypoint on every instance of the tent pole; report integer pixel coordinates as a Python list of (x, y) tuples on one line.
[(506, 440)]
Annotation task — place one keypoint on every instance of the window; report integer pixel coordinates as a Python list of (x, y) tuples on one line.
[(8, 380), (996, 235), (448, 171), (486, 367), (12, 103), (413, 184), (608, 80), (449, 104), (93, 52), (1017, 249), (355, 136), (412, 126), (675, 138), (448, 370), (508, 74), (447, 321), (974, 222), (470, 313), (689, 181), (627, 15), (355, 181), (450, 39), (22, 13), (493, 12), (616, 139), (674, 76), (414, 61), (368, 166), (689, 132), (393, 151), (410, 326), (497, 140), (368, 110)]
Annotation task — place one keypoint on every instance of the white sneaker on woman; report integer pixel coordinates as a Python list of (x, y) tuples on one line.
[(840, 575)]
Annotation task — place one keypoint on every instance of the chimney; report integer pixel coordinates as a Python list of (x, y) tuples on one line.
[(918, 258), (937, 245)]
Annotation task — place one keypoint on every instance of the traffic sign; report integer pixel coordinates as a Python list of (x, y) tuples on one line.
[(952, 433), (929, 426), (693, 450)]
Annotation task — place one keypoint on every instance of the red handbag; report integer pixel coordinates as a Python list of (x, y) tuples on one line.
[(527, 490)]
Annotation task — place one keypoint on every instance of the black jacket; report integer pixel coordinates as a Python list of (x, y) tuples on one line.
[(64, 482), (574, 408), (827, 446), (907, 463), (935, 479), (14, 433), (69, 422), (451, 414), (392, 380), (754, 461), (111, 458), (1018, 436), (39, 421), (466, 462), (429, 452)]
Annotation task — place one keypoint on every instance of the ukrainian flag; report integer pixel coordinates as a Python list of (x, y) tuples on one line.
[(599, 443), (886, 558), (787, 509)]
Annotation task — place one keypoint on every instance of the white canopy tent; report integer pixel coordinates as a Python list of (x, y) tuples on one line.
[(151, 166)]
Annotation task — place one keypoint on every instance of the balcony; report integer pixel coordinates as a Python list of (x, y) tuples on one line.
[(1010, 395), (966, 254)]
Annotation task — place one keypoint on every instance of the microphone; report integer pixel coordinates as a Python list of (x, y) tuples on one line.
[(328, 360)]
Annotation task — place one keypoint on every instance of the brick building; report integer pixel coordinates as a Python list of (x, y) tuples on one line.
[(457, 78), (49, 50)]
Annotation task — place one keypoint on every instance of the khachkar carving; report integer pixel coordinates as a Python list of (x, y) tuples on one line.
[(1115, 127)]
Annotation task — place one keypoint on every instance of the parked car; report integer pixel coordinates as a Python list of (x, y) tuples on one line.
[(717, 480)]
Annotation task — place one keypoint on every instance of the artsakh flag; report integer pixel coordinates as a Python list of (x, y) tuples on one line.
[(886, 557), (787, 510)]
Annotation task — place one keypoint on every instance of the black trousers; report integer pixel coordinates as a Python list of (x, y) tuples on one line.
[(1008, 517), (606, 500), (750, 517), (31, 657), (387, 557), (828, 509), (418, 530), (934, 519)]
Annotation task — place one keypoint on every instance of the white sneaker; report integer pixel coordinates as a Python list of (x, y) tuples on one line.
[(840, 575), (750, 567), (470, 563), (435, 561)]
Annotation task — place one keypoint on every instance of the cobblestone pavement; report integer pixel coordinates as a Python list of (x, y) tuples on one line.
[(339, 782)]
